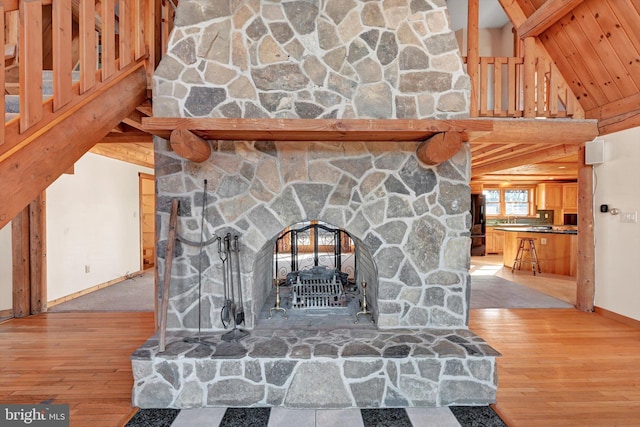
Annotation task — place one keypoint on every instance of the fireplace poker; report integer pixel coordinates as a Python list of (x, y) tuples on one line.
[(240, 313)]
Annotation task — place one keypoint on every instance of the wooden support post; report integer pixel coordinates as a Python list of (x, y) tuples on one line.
[(166, 279), (586, 243), (28, 231), (38, 254), (439, 148), (20, 259)]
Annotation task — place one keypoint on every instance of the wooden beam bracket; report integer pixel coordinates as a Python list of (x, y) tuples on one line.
[(439, 148)]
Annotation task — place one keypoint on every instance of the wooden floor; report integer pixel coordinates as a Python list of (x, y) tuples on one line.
[(77, 358), (560, 367)]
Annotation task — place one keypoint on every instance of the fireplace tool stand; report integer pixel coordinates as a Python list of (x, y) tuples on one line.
[(364, 304), (230, 310), (198, 338), (277, 306)]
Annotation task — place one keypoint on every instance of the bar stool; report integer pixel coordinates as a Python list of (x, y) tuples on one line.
[(533, 255)]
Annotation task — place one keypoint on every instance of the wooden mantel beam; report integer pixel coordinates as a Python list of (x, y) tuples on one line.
[(521, 131), (547, 15), (242, 129)]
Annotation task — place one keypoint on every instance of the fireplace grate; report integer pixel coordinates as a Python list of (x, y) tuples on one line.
[(317, 293)]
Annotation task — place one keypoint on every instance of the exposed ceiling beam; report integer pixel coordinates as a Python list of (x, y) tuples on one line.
[(543, 154), (547, 15), (122, 137)]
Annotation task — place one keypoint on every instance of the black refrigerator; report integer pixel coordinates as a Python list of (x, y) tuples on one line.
[(478, 226)]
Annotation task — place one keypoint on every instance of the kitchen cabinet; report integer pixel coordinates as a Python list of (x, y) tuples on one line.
[(570, 198), (494, 241), (549, 196)]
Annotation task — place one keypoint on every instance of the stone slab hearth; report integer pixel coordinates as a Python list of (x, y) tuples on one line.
[(336, 368)]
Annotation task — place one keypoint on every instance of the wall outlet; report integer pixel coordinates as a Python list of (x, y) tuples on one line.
[(629, 217), (543, 241), (87, 269)]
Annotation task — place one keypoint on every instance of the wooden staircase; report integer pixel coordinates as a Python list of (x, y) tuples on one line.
[(98, 61)]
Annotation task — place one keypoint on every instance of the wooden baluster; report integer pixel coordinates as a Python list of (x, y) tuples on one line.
[(541, 87), (108, 39), (472, 53), (126, 32), (62, 59), (484, 83), (512, 96), (497, 86), (139, 24), (30, 63), (529, 77), (88, 54), (553, 90)]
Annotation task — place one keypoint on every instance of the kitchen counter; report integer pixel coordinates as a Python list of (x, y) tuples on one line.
[(557, 248), (537, 229)]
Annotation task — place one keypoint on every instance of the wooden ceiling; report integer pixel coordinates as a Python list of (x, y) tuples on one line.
[(596, 46)]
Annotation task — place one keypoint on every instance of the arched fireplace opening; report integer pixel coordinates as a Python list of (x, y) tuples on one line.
[(320, 276)]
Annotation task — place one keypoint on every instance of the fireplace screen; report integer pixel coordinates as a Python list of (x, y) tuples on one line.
[(316, 264)]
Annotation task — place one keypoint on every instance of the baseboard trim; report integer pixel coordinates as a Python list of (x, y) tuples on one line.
[(6, 314), (618, 317), (94, 288)]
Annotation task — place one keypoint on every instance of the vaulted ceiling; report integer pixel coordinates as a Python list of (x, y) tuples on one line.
[(595, 44)]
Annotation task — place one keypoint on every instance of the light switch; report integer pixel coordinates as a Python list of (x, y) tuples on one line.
[(629, 217)]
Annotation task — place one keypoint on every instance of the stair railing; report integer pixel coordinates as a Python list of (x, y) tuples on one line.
[(80, 44)]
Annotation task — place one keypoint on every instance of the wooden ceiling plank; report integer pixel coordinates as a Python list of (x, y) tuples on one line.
[(546, 16), (528, 158), (506, 153), (606, 49), (577, 37), (583, 83), (629, 20)]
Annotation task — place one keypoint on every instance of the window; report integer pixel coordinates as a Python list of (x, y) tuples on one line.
[(509, 201)]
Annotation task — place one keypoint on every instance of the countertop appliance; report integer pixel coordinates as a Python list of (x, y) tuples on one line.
[(478, 225)]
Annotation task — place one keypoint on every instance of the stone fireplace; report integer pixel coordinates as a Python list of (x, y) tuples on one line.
[(323, 59)]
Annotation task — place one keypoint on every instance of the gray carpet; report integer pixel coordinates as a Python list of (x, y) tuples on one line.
[(496, 292), (135, 294)]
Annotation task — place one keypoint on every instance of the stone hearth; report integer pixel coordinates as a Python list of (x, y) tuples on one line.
[(337, 368), (317, 59)]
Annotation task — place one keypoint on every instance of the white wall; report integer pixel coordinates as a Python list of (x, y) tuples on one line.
[(617, 184), (92, 220), (6, 269)]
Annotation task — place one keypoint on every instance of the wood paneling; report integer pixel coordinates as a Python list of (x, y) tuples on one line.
[(596, 47)]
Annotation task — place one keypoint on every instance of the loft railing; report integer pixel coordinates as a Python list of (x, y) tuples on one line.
[(81, 45), (521, 87)]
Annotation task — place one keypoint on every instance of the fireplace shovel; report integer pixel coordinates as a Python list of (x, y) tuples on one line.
[(240, 313), (234, 334), (225, 314)]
